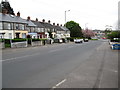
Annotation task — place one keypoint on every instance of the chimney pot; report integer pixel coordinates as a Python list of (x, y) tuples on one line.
[(37, 19), (57, 24), (48, 21), (43, 20), (28, 18), (18, 14)]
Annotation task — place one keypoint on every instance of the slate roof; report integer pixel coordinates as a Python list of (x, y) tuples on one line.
[(38, 24), (11, 18), (59, 28), (64, 28), (47, 25), (30, 23)]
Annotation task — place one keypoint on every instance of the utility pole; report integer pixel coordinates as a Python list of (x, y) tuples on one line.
[(65, 16)]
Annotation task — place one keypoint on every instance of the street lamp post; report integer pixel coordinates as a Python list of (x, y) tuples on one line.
[(65, 16)]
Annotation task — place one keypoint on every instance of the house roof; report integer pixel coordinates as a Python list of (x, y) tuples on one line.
[(30, 23), (38, 24), (59, 28), (11, 18), (64, 28), (47, 25)]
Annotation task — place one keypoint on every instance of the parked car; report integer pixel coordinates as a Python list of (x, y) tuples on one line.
[(58, 40), (78, 40), (115, 46), (86, 40)]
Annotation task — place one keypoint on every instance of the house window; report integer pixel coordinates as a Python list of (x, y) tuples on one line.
[(1, 25), (23, 35), (32, 29), (28, 28), (21, 26), (42, 29), (17, 26), (6, 26), (10, 35), (12, 26)]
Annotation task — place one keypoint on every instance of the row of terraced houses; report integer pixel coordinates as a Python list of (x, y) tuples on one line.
[(13, 26)]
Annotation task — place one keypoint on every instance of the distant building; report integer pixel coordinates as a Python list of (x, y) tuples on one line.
[(99, 34)]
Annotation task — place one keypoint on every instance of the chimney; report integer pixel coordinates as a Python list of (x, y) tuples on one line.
[(49, 21), (28, 18), (54, 24), (43, 20), (18, 14), (4, 11), (37, 19), (57, 24)]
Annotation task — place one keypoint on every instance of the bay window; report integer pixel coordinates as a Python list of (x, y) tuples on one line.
[(6, 26), (1, 27)]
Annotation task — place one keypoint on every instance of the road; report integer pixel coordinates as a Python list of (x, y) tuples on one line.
[(69, 65)]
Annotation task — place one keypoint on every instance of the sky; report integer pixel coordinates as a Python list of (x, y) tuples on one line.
[(93, 14)]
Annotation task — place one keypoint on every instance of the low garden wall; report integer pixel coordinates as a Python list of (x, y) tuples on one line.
[(37, 43), (19, 44)]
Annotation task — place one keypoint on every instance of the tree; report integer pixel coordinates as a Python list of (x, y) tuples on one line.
[(75, 29), (114, 34), (6, 5), (88, 33)]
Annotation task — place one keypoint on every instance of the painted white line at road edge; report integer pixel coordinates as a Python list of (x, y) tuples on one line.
[(59, 83)]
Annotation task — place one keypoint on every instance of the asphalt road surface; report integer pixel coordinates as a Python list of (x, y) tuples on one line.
[(88, 65)]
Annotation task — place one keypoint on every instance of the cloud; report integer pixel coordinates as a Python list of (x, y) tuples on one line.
[(96, 12)]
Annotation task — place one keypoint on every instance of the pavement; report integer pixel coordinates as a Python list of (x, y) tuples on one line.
[(89, 65)]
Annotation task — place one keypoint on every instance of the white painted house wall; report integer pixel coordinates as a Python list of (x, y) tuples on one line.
[(9, 34)]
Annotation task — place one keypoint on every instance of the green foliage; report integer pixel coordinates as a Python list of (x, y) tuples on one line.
[(114, 34), (112, 40), (7, 45), (93, 39), (107, 31), (6, 5), (18, 40), (1, 40), (75, 29)]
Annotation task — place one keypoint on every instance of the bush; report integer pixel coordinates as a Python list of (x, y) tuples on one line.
[(93, 39), (1, 40), (7, 45), (18, 40)]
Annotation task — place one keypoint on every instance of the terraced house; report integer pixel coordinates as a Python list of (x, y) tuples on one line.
[(12, 26)]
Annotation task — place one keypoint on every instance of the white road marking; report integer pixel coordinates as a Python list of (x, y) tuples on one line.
[(19, 57), (59, 83), (10, 59)]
